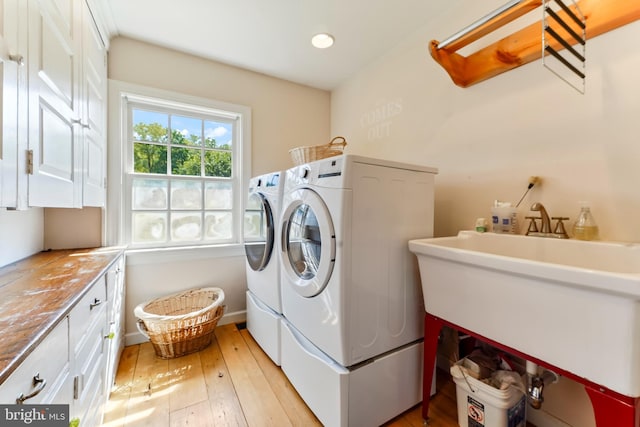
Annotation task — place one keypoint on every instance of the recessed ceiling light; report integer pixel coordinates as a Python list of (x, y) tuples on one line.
[(322, 40)]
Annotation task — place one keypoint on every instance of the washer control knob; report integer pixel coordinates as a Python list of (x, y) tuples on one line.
[(304, 173)]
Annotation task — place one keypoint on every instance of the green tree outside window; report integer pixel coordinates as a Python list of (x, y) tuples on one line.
[(150, 153)]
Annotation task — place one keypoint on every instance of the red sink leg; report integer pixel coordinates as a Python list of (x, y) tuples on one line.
[(432, 327), (611, 409), (614, 412)]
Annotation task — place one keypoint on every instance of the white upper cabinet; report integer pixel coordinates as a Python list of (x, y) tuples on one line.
[(11, 80), (94, 114), (53, 110), (55, 114)]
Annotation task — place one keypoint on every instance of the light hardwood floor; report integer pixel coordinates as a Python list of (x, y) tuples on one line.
[(230, 383)]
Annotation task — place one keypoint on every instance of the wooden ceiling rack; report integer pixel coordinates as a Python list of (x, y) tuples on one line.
[(523, 46)]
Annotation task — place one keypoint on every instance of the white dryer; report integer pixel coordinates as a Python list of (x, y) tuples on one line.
[(261, 233), (351, 293)]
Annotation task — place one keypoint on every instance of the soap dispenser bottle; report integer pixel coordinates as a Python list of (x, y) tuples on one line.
[(585, 227)]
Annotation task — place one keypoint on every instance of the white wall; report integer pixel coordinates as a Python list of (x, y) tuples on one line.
[(489, 138), (152, 275), (284, 115), (72, 228), (24, 233), (21, 234)]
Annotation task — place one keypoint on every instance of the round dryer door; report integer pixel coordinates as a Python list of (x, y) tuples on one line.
[(259, 231), (309, 243)]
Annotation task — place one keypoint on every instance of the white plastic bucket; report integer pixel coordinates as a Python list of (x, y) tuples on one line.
[(481, 405)]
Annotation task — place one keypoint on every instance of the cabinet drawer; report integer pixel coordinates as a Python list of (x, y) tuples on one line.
[(90, 308), (48, 362)]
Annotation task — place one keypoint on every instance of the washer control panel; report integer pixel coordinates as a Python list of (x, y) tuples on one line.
[(325, 173)]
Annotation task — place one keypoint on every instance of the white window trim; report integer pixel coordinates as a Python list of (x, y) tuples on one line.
[(119, 92)]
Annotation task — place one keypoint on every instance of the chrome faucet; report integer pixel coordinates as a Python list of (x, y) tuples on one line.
[(545, 229)]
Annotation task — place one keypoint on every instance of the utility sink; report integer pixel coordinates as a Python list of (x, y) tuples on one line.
[(570, 303)]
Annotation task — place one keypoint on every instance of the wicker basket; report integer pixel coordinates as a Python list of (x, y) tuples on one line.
[(182, 323), (303, 155)]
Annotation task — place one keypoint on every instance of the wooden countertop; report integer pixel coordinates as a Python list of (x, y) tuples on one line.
[(38, 291)]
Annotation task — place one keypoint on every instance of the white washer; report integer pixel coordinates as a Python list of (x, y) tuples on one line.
[(350, 287), (261, 233)]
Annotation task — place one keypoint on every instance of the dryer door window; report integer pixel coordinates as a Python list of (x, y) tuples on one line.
[(258, 231), (309, 242)]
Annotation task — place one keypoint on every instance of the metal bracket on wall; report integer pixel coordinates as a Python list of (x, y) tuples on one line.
[(567, 32), (523, 46)]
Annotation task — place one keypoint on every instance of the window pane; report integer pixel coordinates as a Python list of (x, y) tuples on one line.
[(149, 193), (185, 161), (218, 195), (182, 183), (150, 126), (217, 163), (149, 158), (218, 135), (149, 227), (186, 195), (186, 130), (218, 225), (186, 226)]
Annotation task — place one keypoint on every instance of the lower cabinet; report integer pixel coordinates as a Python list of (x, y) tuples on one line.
[(76, 362), (45, 375)]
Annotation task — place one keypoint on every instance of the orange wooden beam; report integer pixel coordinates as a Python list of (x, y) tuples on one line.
[(525, 45)]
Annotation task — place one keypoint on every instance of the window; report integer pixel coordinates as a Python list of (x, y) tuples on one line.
[(184, 171)]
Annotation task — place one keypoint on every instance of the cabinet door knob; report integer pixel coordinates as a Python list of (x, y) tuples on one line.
[(38, 383)]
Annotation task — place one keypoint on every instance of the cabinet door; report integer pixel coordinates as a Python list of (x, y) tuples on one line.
[(9, 59), (41, 378), (87, 331), (94, 95), (115, 317), (54, 104)]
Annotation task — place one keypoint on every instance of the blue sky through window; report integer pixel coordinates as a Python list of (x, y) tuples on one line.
[(220, 131)]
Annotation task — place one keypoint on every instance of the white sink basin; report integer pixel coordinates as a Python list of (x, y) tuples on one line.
[(570, 303)]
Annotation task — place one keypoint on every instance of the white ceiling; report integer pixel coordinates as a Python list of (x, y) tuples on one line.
[(273, 36)]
